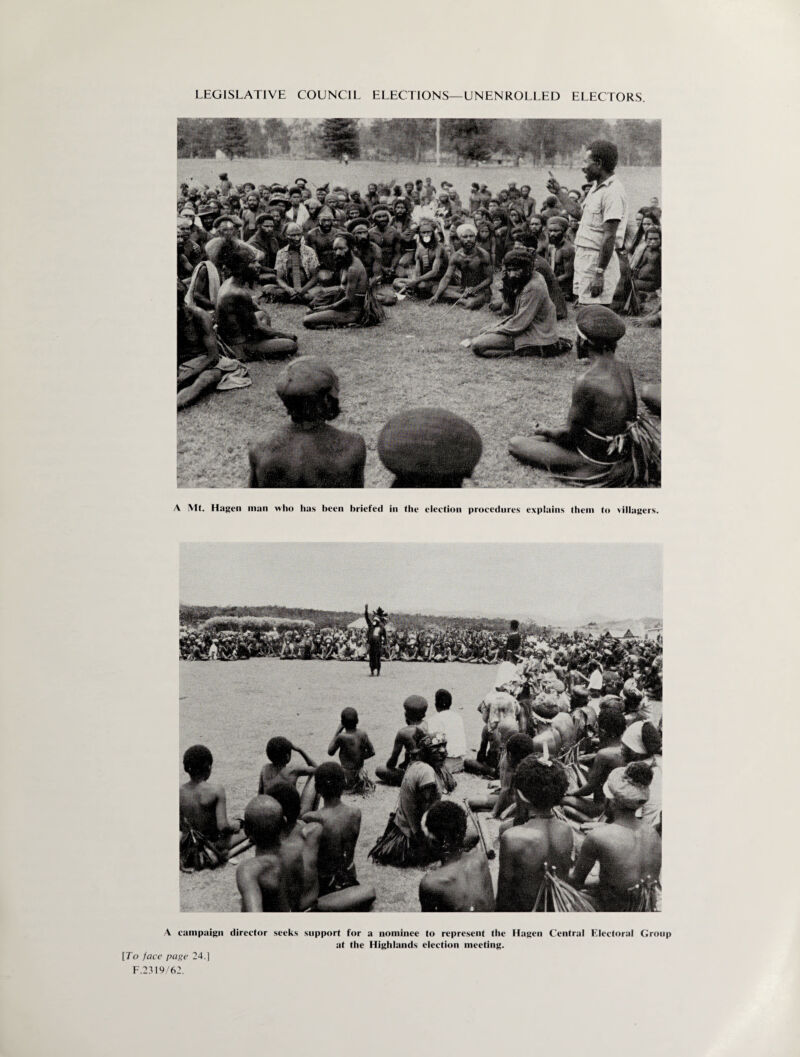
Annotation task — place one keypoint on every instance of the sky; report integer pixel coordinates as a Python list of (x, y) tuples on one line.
[(551, 581)]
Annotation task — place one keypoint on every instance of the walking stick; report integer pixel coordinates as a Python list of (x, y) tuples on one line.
[(487, 851)]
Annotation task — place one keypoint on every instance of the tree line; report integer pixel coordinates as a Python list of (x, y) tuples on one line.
[(540, 141)]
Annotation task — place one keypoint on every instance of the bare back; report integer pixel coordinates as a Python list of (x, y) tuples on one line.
[(627, 857), (463, 885), (324, 457), (524, 850), (198, 807)]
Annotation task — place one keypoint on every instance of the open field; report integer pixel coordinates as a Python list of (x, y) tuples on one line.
[(412, 359), (234, 708)]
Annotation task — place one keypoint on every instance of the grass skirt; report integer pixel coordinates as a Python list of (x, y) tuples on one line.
[(198, 852)]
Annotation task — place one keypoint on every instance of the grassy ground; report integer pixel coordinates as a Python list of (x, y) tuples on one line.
[(412, 359), (235, 708)]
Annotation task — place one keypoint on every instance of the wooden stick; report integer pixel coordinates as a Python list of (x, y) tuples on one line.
[(487, 851), (239, 849)]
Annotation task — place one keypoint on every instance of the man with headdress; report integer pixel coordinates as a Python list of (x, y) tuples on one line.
[(429, 447), (227, 231), (376, 637), (536, 851), (406, 233), (429, 263), (469, 271), (530, 329), (369, 253), (560, 254), (296, 269), (245, 332), (607, 440), (424, 781), (627, 849), (309, 453), (350, 303)]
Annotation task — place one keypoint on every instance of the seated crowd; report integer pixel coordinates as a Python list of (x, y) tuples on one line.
[(572, 750), (345, 257)]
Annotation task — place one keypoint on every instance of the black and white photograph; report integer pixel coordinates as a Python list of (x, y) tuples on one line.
[(382, 727), (418, 302)]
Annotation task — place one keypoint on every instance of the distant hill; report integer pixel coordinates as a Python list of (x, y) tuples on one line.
[(194, 614)]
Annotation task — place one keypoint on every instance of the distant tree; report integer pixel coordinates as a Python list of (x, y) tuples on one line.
[(195, 137), (472, 140), (340, 136), (233, 137)]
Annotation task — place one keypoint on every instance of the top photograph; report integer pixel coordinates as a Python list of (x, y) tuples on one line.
[(418, 303)]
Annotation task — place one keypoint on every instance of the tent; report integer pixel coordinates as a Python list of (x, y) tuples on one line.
[(360, 624)]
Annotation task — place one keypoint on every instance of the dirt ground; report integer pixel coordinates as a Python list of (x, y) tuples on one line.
[(235, 707)]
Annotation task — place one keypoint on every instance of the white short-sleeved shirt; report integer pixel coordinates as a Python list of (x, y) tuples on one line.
[(605, 201), (451, 725)]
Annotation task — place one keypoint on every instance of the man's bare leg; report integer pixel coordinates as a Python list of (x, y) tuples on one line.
[(358, 897), (540, 452), (206, 382)]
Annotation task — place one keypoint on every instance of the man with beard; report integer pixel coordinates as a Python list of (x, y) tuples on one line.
[(345, 304), (602, 227), (606, 440), (369, 253), (429, 263), (245, 332), (560, 255), (537, 237), (320, 240), (530, 330), (266, 242), (357, 200), (250, 215), (309, 453), (473, 289), (384, 234), (296, 270), (406, 232), (525, 202)]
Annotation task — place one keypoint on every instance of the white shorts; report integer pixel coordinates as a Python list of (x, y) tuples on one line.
[(585, 264)]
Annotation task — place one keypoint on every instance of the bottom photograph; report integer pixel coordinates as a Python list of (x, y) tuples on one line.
[(409, 727)]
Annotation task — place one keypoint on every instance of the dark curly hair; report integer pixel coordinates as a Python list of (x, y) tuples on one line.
[(288, 797), (542, 784), (605, 153), (611, 721), (329, 779), (279, 750), (197, 761), (639, 773), (518, 747), (447, 822)]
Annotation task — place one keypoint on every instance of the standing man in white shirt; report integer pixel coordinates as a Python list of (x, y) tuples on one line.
[(452, 726), (602, 225)]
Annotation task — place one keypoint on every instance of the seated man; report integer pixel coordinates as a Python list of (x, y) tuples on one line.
[(627, 849), (560, 255), (403, 842), (244, 331), (452, 726), (341, 825), (428, 447), (296, 270), (279, 753), (462, 881), (610, 755), (516, 748), (198, 353), (530, 329), (354, 748), (206, 833), (606, 441), (405, 741), (369, 253), (309, 453), (430, 261), (299, 839), (351, 302), (467, 281), (536, 852), (273, 880)]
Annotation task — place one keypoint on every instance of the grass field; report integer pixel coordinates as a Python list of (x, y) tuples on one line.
[(412, 359), (234, 708)]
